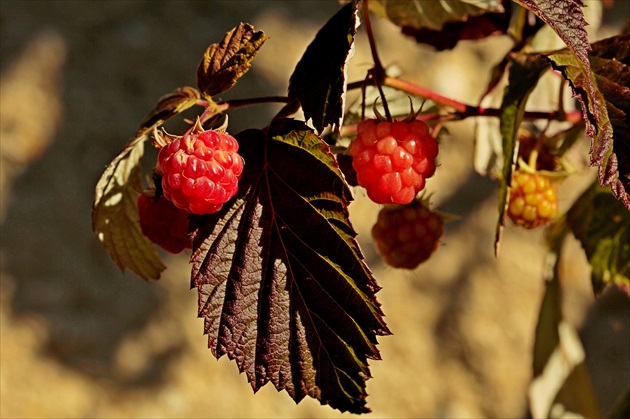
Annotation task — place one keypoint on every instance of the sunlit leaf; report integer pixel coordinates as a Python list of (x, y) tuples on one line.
[(525, 71), (283, 287), (318, 82), (602, 225), (224, 63), (114, 212)]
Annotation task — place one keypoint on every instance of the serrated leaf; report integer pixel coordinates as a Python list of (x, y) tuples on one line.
[(224, 63), (114, 211), (606, 108), (418, 14), (283, 287), (602, 225), (610, 63), (318, 82), (468, 28), (524, 73), (566, 18)]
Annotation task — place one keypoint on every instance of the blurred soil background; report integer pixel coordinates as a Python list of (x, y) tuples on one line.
[(81, 339)]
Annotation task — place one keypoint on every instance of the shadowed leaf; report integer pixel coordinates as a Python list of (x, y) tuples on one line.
[(525, 70), (468, 28), (114, 212), (417, 14), (283, 287), (560, 376), (224, 63), (602, 225), (318, 82), (610, 63)]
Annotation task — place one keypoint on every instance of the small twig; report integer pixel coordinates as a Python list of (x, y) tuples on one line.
[(378, 72), (463, 110)]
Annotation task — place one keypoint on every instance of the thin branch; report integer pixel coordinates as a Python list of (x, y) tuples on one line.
[(463, 110), (378, 72)]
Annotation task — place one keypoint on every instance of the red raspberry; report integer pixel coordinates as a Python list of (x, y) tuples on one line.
[(533, 201), (163, 223), (201, 170), (406, 236), (393, 159)]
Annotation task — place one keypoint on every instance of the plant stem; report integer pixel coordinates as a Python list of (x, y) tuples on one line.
[(463, 110), (378, 72), (416, 90), (224, 105)]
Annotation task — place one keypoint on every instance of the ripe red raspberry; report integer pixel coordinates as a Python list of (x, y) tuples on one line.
[(533, 201), (201, 170), (406, 236), (393, 159), (163, 223)]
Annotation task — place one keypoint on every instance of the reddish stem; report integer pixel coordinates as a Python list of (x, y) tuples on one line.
[(463, 110)]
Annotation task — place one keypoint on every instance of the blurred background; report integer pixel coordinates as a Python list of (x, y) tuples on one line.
[(81, 339)]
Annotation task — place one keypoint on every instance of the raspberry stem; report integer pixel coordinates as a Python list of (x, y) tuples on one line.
[(378, 72), (463, 110)]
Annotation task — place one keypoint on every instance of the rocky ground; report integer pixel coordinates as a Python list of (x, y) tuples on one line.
[(80, 339)]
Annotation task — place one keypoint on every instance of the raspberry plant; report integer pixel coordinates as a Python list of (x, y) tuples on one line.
[(283, 286)]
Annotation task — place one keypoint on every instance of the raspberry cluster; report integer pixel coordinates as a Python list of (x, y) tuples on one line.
[(163, 223), (533, 201), (393, 159), (200, 170), (405, 236)]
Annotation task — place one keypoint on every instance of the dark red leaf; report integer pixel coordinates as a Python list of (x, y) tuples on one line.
[(224, 63), (318, 82), (282, 283), (474, 27), (567, 19), (605, 108)]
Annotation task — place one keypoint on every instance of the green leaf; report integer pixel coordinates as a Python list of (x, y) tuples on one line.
[(418, 14), (547, 334), (318, 82), (283, 287), (602, 225), (224, 63), (114, 212), (524, 73)]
